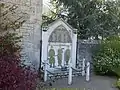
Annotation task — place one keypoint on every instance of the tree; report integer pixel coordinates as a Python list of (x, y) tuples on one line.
[(54, 13), (106, 60), (92, 17)]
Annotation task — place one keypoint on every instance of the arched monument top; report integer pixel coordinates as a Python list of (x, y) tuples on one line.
[(59, 26), (63, 21), (61, 35)]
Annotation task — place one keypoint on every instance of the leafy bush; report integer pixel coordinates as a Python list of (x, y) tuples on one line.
[(117, 71), (107, 57), (13, 75), (118, 84)]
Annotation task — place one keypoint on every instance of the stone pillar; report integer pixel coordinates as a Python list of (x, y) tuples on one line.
[(56, 57), (73, 49), (88, 71), (83, 67), (63, 59), (45, 70), (44, 47), (70, 74)]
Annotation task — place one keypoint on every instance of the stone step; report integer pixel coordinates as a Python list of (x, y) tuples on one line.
[(61, 74)]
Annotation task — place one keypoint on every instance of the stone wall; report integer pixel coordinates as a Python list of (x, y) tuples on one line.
[(85, 50), (31, 34), (30, 30)]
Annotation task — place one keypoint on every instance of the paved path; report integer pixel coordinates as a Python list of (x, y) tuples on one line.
[(96, 83)]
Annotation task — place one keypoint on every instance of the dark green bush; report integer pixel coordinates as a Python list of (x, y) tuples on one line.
[(107, 57), (117, 71)]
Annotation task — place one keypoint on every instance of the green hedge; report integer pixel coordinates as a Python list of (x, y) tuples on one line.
[(107, 57)]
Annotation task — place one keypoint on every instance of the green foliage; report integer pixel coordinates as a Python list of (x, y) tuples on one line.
[(117, 71), (107, 57), (91, 17), (55, 12), (118, 84)]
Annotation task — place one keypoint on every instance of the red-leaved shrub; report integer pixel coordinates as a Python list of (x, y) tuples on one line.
[(15, 77), (13, 74)]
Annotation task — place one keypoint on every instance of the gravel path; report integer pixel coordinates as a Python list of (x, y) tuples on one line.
[(95, 83)]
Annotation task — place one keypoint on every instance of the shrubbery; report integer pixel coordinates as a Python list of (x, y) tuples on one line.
[(118, 84), (117, 71), (13, 76), (107, 57)]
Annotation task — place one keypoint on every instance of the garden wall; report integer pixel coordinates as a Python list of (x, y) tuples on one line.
[(85, 50)]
